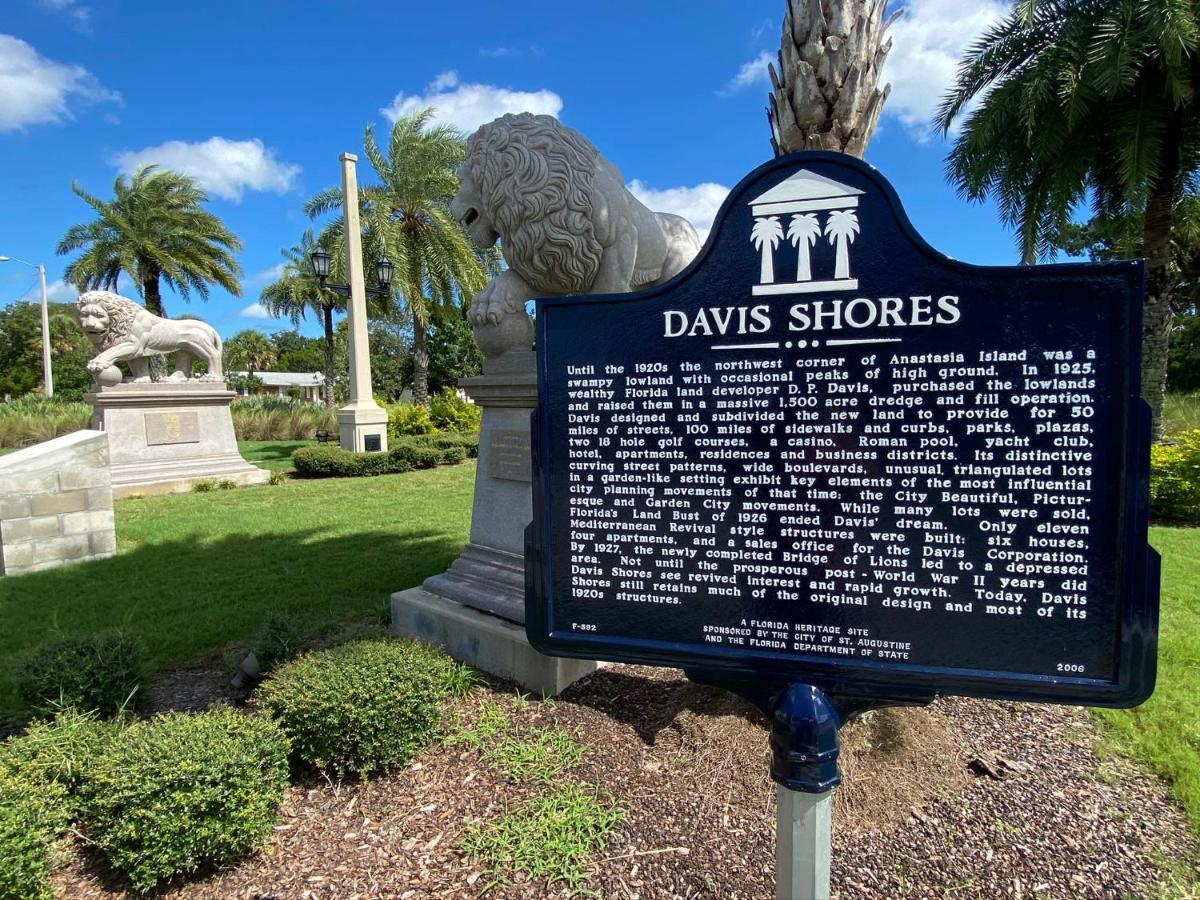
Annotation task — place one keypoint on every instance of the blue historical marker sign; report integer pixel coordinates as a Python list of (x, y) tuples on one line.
[(828, 454)]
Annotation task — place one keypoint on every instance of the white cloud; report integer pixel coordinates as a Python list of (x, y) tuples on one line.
[(254, 311), (58, 291), (467, 106), (222, 167), (35, 90), (750, 74), (929, 38), (698, 204), (268, 275), (506, 52), (81, 16)]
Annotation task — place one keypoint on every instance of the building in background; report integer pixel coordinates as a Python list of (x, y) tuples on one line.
[(300, 385)]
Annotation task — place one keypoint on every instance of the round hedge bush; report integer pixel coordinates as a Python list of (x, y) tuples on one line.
[(363, 707), (100, 672), (59, 753), (32, 815), (181, 790)]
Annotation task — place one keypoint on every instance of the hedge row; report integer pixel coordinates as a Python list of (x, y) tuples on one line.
[(1175, 479), (166, 796), (408, 453)]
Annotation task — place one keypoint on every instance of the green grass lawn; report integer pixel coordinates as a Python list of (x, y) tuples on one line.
[(197, 573), (1164, 732), (273, 455)]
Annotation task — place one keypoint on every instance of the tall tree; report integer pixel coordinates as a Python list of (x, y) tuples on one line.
[(1086, 99), (154, 230), (21, 350), (406, 217), (1105, 237), (298, 290), (250, 350), (825, 94)]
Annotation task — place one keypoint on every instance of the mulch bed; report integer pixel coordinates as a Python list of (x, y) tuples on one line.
[(964, 799)]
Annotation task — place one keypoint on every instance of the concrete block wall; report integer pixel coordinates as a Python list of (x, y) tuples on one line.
[(56, 503)]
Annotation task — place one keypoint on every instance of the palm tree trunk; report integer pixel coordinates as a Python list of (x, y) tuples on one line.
[(420, 364), (825, 95), (150, 291), (1159, 315), (327, 392)]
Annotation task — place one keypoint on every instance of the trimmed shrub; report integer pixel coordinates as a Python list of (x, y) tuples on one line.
[(32, 816), (101, 672), (361, 708), (450, 412), (409, 419), (181, 790), (417, 456), (410, 452), (1175, 478), (325, 461), (279, 640), (452, 454), (59, 753)]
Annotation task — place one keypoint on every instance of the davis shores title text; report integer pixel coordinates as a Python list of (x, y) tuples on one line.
[(815, 315)]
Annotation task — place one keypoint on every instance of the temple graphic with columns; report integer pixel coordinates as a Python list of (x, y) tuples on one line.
[(818, 217)]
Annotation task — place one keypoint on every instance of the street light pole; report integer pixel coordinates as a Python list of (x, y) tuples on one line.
[(47, 372)]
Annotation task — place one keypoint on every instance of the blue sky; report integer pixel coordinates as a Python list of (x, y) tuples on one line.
[(257, 99)]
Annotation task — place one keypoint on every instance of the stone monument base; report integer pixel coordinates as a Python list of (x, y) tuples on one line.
[(164, 437), (486, 642)]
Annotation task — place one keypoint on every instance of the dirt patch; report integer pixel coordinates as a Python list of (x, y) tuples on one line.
[(689, 765)]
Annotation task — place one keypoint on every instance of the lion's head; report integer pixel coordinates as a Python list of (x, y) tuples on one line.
[(105, 317), (527, 180)]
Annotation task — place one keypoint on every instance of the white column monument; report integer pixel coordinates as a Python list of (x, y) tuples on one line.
[(362, 423)]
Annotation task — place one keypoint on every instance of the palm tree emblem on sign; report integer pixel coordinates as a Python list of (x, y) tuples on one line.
[(841, 229), (814, 206), (803, 233), (766, 236)]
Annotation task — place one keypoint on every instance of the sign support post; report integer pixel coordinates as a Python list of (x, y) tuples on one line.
[(804, 749), (802, 840)]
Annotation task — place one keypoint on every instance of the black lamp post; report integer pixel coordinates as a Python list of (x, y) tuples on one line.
[(383, 274)]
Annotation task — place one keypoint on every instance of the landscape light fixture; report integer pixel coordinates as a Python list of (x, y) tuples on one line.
[(383, 274), (47, 373)]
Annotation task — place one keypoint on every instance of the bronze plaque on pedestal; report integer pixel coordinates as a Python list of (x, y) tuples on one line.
[(172, 428), (509, 455)]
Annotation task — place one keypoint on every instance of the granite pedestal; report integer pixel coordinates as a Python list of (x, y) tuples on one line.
[(476, 609), (164, 437)]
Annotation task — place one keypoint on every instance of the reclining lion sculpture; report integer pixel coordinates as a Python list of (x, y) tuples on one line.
[(566, 223), (124, 332)]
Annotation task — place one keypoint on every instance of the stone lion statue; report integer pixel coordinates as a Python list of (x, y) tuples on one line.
[(125, 332), (566, 223)]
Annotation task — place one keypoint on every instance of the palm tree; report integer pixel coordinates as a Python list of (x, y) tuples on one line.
[(803, 233), (825, 95), (154, 229), (766, 236), (298, 290), (406, 217), (250, 350), (1094, 100), (841, 229)]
